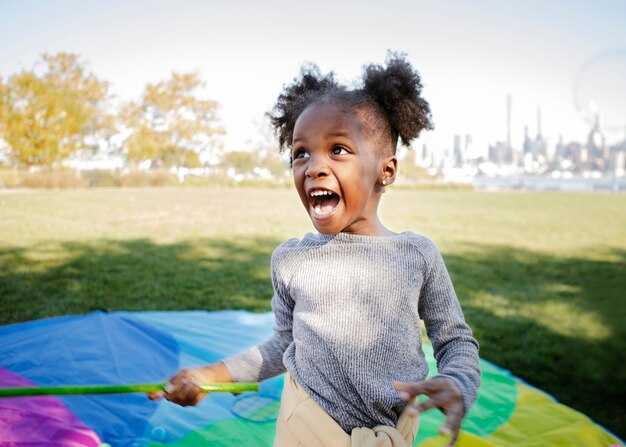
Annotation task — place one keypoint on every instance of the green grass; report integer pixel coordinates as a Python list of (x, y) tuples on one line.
[(541, 276)]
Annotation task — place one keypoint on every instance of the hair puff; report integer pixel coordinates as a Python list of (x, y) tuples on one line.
[(397, 87), (392, 94), (296, 97)]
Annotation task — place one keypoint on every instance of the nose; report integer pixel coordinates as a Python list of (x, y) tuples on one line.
[(317, 167)]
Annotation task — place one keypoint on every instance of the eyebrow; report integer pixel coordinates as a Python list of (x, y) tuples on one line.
[(341, 133)]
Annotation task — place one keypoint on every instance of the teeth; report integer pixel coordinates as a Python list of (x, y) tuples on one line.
[(318, 209), (320, 192)]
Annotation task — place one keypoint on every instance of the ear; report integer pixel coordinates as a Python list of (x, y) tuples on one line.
[(389, 170)]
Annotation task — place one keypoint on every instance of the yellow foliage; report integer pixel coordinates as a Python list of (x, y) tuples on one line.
[(46, 117), (172, 123)]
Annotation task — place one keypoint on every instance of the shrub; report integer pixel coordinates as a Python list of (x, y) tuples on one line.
[(9, 177), (146, 178), (64, 179), (102, 178)]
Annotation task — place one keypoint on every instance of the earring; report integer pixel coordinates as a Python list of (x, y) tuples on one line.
[(384, 181)]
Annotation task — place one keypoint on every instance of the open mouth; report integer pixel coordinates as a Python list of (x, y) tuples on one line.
[(323, 201)]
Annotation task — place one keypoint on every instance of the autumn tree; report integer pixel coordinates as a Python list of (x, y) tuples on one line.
[(242, 162), (171, 123), (48, 114)]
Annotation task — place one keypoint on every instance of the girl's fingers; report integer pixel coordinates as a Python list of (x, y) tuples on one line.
[(191, 393), (452, 425), (443, 394), (184, 391), (183, 388), (412, 388), (155, 395), (427, 387), (426, 405), (452, 442), (455, 437)]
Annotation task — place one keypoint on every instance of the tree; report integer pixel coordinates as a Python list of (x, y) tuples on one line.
[(409, 170), (45, 117), (242, 162), (171, 123)]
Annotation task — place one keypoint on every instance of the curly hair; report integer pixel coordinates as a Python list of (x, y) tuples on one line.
[(388, 101)]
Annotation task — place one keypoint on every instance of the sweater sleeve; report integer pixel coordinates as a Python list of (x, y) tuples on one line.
[(266, 360), (455, 348)]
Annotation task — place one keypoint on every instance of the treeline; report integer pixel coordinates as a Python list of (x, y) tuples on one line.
[(58, 116), (61, 110)]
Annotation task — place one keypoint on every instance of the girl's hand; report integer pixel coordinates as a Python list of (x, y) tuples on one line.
[(184, 387), (444, 394)]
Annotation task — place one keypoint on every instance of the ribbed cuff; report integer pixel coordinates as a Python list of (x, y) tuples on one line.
[(468, 398), (245, 367)]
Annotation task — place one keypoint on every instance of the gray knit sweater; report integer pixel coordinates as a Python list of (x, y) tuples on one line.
[(347, 324)]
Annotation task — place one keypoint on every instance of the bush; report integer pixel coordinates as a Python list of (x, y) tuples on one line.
[(98, 178), (102, 178), (64, 179), (9, 177), (146, 178)]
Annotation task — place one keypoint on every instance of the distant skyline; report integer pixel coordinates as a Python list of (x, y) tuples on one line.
[(471, 55)]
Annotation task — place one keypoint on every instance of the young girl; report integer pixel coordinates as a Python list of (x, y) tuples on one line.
[(348, 300)]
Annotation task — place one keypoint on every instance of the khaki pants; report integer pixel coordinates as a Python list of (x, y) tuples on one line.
[(303, 423)]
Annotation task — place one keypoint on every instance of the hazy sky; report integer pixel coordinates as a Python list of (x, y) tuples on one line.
[(471, 54)]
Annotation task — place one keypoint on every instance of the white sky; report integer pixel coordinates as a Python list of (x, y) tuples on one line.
[(471, 54)]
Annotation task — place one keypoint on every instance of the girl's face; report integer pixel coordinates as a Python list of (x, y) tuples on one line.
[(337, 171)]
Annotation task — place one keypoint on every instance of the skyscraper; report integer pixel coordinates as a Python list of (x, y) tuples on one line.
[(458, 152)]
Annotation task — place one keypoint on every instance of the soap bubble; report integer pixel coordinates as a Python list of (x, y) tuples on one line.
[(158, 434)]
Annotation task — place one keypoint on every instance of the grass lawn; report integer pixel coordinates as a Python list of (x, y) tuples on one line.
[(541, 276)]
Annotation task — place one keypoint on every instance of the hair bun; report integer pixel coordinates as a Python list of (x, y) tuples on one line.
[(397, 88), (295, 97)]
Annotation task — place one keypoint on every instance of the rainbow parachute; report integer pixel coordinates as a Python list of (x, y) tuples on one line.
[(148, 347)]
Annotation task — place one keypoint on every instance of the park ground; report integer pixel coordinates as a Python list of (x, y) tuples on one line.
[(541, 276)]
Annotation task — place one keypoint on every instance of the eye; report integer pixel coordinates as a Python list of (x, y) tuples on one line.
[(300, 153), (339, 150)]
